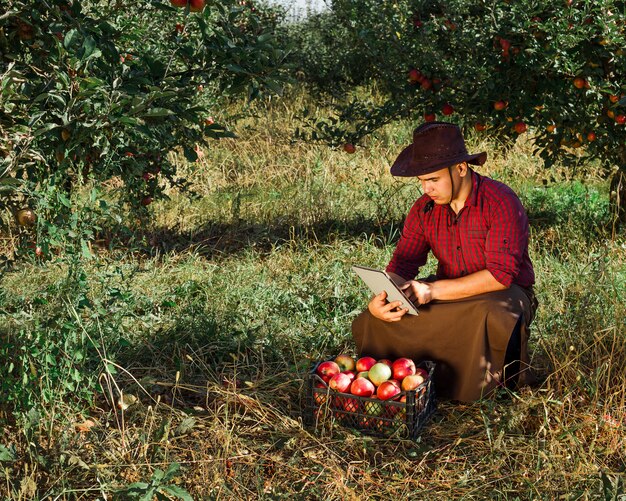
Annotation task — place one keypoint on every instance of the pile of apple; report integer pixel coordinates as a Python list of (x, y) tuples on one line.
[(374, 379)]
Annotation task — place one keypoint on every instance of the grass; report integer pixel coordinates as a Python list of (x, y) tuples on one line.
[(213, 315)]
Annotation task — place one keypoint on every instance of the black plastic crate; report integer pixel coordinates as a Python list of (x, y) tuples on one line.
[(372, 416)]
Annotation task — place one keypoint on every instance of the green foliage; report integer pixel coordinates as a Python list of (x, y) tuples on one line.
[(157, 487), (426, 54), (99, 93)]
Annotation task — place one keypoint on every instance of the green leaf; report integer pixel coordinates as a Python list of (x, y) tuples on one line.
[(85, 250), (7, 453), (178, 492), (158, 112)]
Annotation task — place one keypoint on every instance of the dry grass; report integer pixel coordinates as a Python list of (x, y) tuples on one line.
[(218, 373)]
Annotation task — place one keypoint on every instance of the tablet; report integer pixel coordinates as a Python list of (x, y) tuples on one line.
[(378, 281)]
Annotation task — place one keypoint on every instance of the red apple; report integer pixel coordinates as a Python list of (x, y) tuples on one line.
[(349, 148), (579, 82), (551, 128), (146, 201), (320, 398), (591, 136), (196, 5), (379, 373), (426, 84), (345, 362), (385, 361), (417, 23), (412, 382), (387, 390), (520, 127), (479, 126), (415, 76), (402, 368), (364, 364), (447, 109), (430, 117), (326, 370), (350, 374), (422, 372), (505, 44), (362, 387), (179, 27), (620, 119), (613, 98), (340, 382), (350, 404), (500, 105)]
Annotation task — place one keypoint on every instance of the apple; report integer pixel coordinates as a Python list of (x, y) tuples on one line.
[(373, 408), (415, 76), (361, 374), (520, 127), (417, 23), (350, 374), (480, 126), (580, 82), (613, 98), (345, 362), (388, 390), (179, 28), (362, 387), (209, 121), (591, 136), (379, 373), (402, 368), (145, 201), (500, 105), (26, 217), (364, 364), (340, 382), (349, 148), (412, 382), (327, 370), (620, 119), (447, 109), (350, 404), (320, 398), (610, 114), (430, 117), (196, 5), (505, 44), (385, 361), (426, 84), (551, 128), (38, 251), (65, 134)]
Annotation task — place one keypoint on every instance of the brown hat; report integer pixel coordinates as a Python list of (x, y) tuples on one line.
[(436, 145)]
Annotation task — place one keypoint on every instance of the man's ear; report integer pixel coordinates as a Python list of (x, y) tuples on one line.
[(463, 169)]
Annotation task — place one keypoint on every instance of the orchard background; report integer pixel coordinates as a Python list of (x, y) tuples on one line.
[(153, 154)]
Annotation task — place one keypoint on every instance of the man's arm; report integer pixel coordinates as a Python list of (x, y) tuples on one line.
[(473, 284)]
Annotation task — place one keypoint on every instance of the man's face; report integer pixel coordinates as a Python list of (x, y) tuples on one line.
[(438, 186)]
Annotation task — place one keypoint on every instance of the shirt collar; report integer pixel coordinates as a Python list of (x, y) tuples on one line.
[(472, 199)]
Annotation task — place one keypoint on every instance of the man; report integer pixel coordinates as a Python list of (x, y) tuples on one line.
[(476, 311)]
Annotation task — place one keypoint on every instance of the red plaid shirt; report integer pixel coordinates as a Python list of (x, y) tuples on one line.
[(490, 232)]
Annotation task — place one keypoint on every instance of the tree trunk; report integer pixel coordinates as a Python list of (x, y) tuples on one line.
[(618, 200)]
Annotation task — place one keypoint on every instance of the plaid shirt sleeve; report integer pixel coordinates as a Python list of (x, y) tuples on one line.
[(412, 249), (506, 240)]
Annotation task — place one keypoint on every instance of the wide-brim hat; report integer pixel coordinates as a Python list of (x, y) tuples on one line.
[(436, 145)]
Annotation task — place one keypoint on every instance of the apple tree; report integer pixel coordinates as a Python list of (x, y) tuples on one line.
[(95, 94), (553, 69)]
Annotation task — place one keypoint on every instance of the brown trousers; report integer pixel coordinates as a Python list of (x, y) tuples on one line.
[(467, 338)]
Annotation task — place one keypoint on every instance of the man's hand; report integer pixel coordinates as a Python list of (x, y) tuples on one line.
[(417, 292), (381, 309)]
